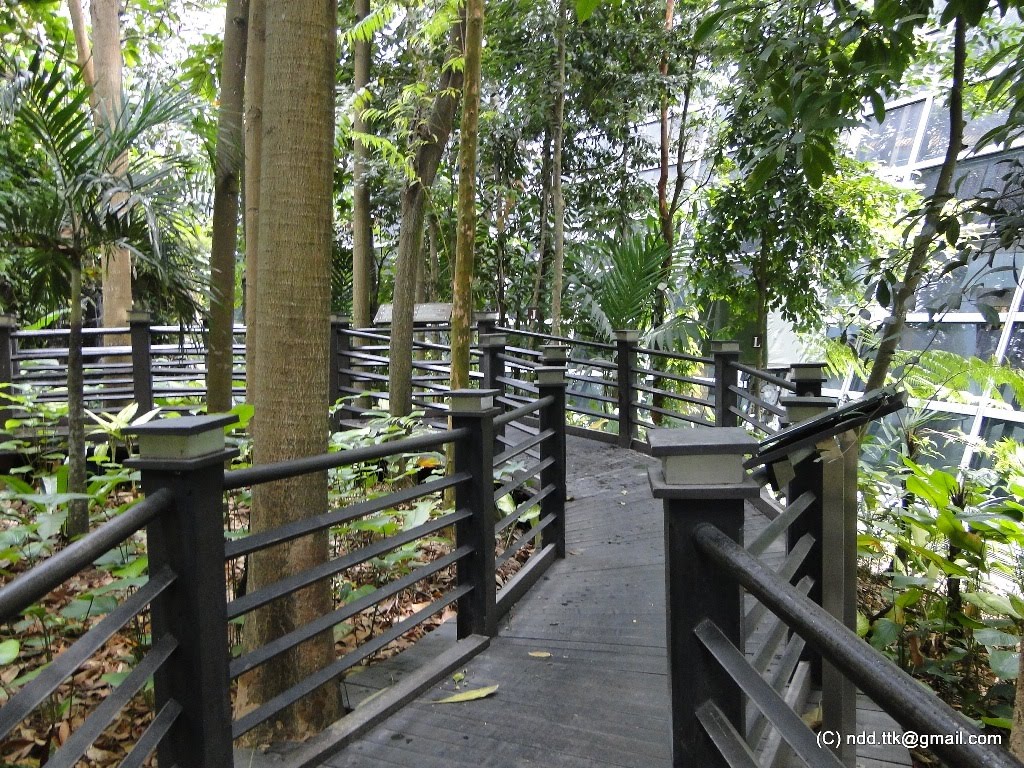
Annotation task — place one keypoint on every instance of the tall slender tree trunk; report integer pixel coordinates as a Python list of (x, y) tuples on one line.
[(227, 173), (917, 264), (363, 284), (290, 378), (557, 194), (462, 284), (542, 235), (83, 48), (434, 134), (78, 510), (108, 64), (253, 102)]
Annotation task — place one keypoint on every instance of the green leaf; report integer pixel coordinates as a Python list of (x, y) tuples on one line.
[(885, 632), (863, 625), (1004, 664), (585, 8), (993, 604), (9, 650), (708, 25), (995, 638), (471, 695)]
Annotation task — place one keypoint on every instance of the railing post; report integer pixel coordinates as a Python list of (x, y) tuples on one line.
[(492, 367), (625, 356), (726, 354), (340, 346), (142, 359), (701, 480), (8, 325), (551, 381), (808, 378), (187, 456), (829, 472), (474, 410), (486, 323)]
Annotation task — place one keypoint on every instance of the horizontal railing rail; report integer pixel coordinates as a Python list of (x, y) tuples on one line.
[(154, 663), (958, 740)]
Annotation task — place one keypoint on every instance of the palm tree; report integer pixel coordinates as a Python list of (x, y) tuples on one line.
[(71, 204)]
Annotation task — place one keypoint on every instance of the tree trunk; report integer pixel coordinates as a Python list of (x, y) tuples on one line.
[(542, 239), (78, 510), (917, 265), (107, 62), (253, 100), (227, 171), (1017, 732), (462, 283), (362, 222), (557, 195), (83, 48), (290, 378), (433, 134)]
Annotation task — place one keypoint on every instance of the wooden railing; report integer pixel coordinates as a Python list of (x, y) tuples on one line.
[(733, 696), (615, 391), (193, 604)]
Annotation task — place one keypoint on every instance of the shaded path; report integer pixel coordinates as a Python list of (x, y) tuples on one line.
[(600, 698)]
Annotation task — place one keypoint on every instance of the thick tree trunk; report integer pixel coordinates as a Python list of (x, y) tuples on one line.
[(363, 284), (227, 172), (290, 378), (557, 195), (253, 101), (917, 265), (433, 134), (78, 510), (462, 284), (107, 62)]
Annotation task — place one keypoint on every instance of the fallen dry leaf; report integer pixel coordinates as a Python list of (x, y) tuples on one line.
[(540, 654), (476, 693)]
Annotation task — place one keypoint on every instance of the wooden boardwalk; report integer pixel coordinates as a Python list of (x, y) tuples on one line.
[(601, 697)]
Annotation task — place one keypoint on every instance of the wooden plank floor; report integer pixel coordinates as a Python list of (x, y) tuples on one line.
[(600, 698)]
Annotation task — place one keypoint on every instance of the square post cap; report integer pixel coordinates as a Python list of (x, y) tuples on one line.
[(725, 345), (807, 372), (702, 463), (8, 321), (472, 400), (628, 335), (492, 340), (550, 376), (187, 440), (341, 320), (555, 354), (485, 317), (138, 316), (803, 408)]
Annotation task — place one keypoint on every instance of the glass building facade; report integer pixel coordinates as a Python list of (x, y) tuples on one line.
[(909, 146)]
